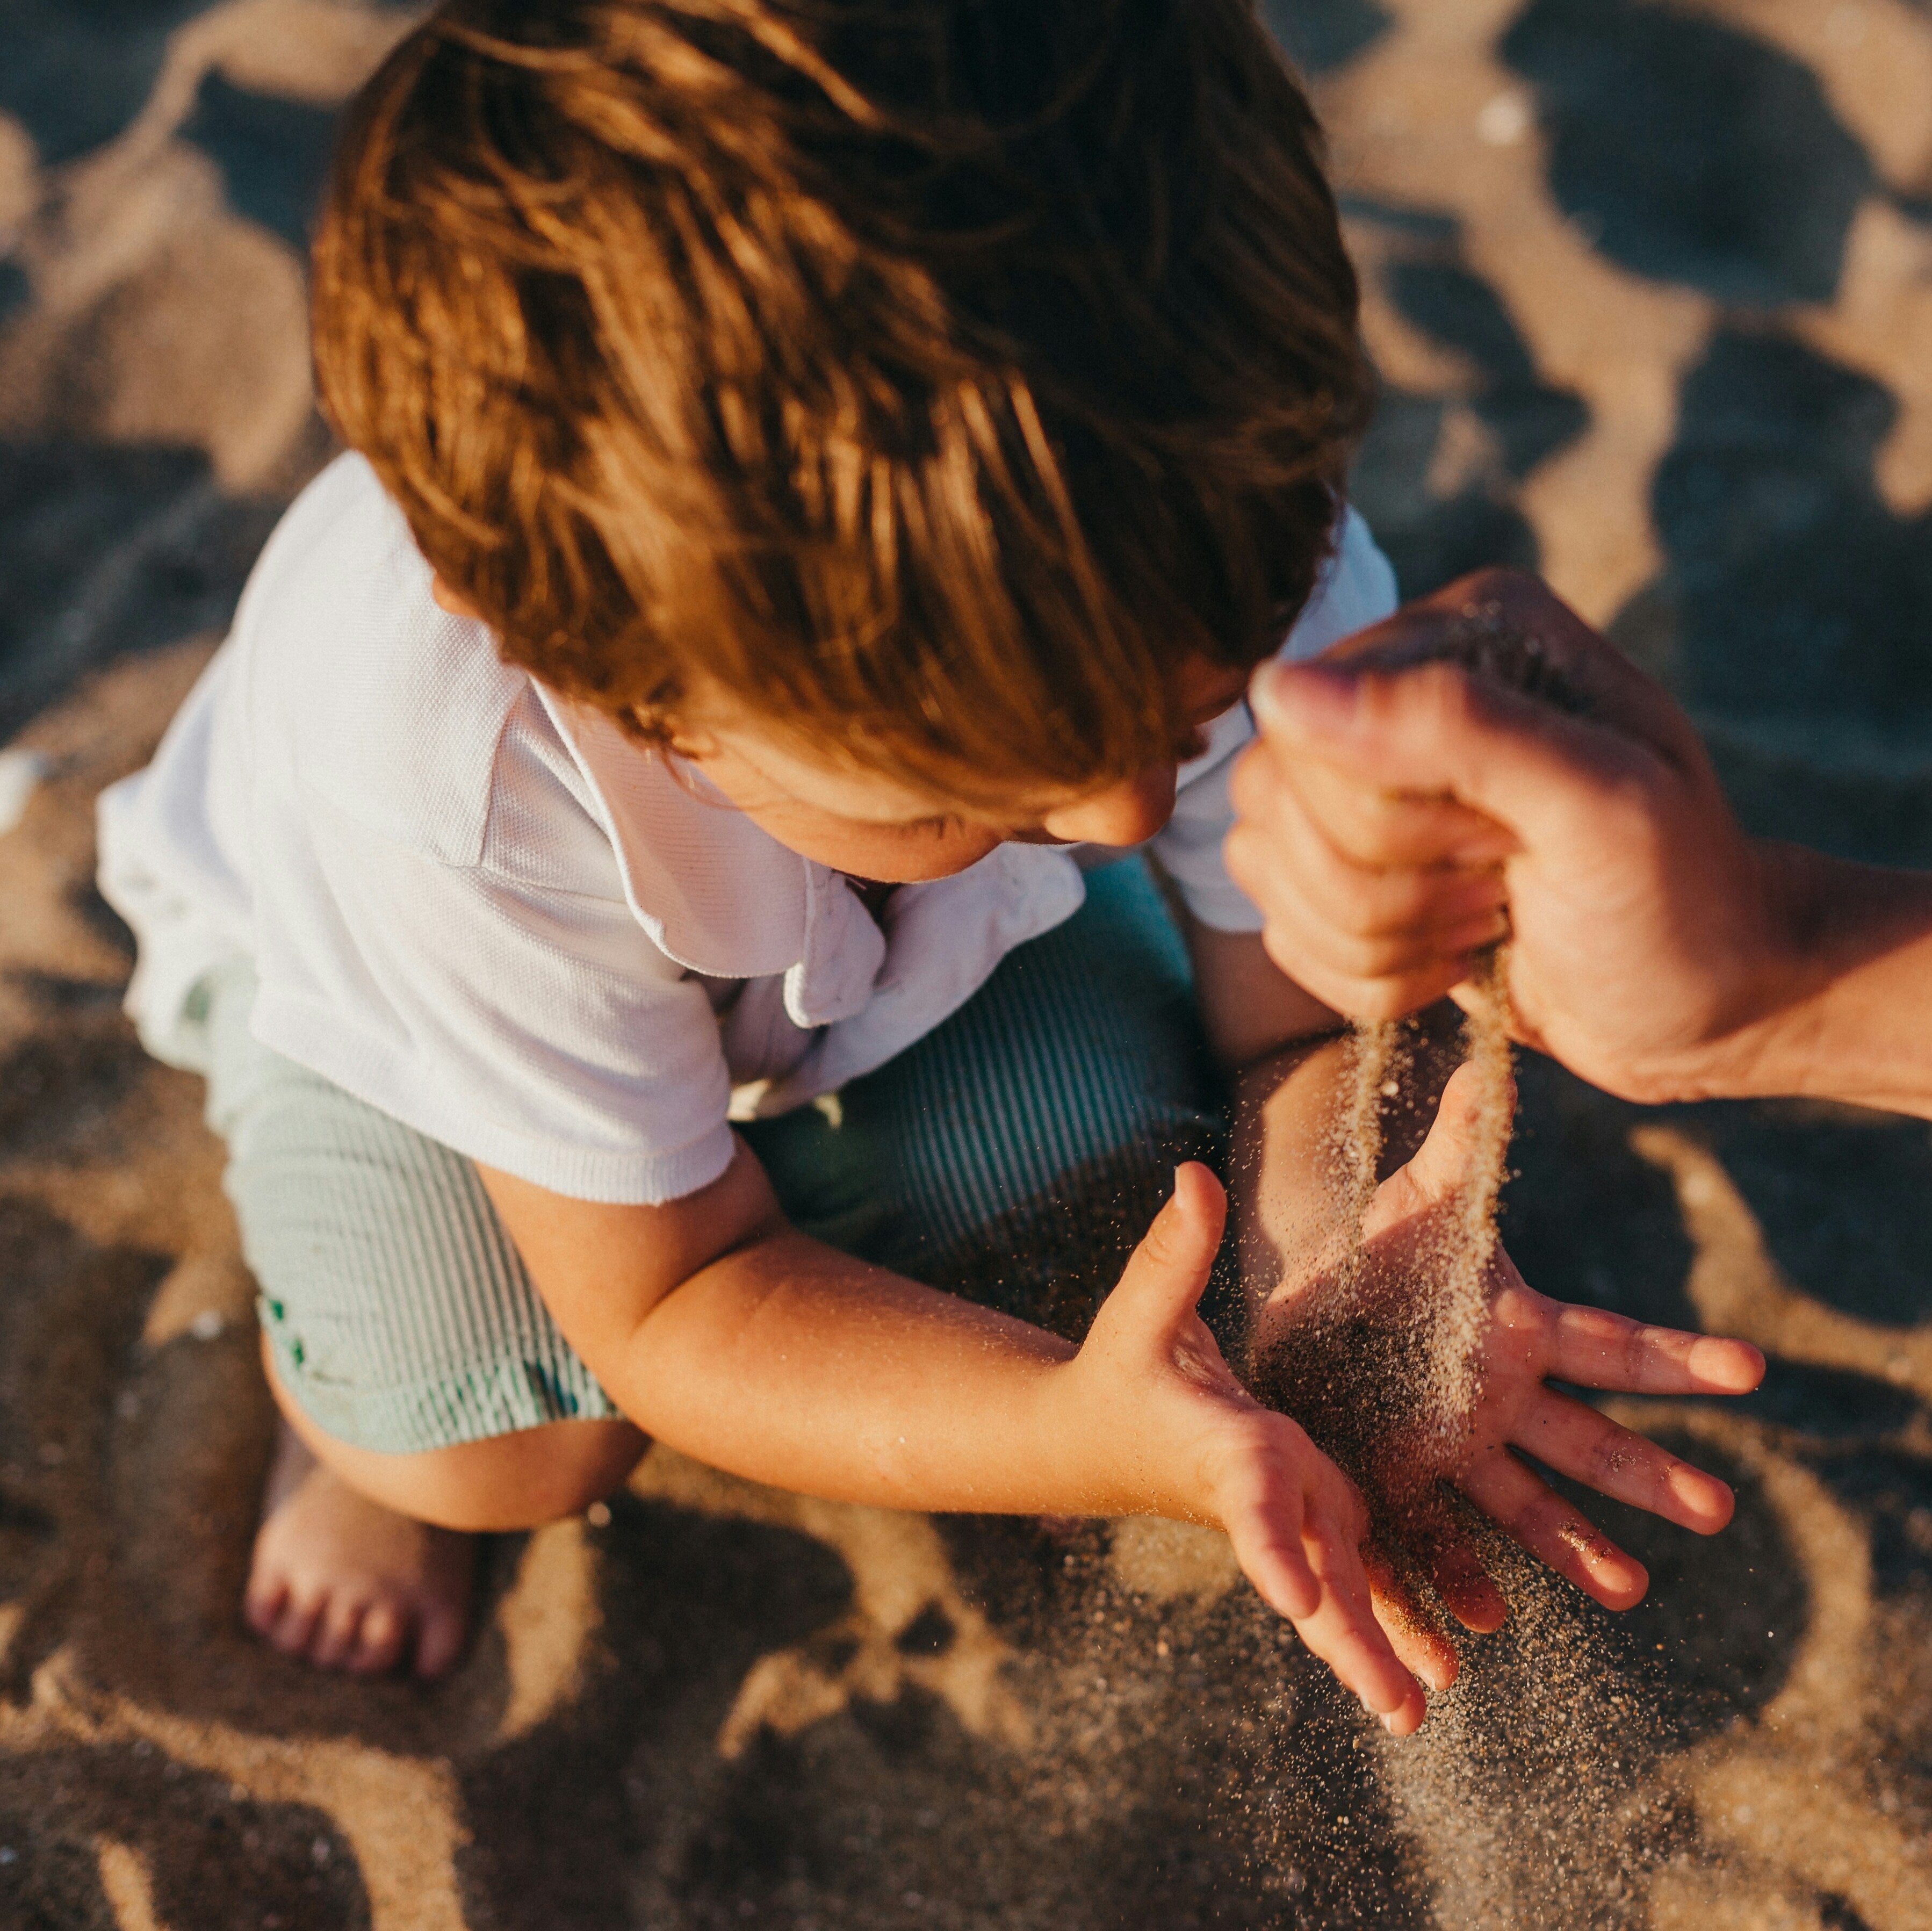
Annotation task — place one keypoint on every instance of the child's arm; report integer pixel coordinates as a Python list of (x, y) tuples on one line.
[(1293, 1210), (721, 1331)]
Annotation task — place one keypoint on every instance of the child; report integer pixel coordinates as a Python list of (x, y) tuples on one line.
[(823, 473)]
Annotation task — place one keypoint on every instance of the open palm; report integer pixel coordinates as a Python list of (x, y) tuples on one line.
[(1360, 1353)]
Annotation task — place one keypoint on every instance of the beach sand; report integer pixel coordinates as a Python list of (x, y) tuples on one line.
[(1652, 289)]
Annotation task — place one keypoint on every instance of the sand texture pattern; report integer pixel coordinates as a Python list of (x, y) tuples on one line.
[(1651, 287)]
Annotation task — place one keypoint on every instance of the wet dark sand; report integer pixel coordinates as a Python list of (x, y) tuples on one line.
[(1651, 288)]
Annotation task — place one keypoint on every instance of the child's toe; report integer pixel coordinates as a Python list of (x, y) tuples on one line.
[(263, 1602), (337, 1632), (379, 1644), (439, 1639), (294, 1628)]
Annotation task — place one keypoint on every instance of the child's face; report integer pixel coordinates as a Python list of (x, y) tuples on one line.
[(877, 827)]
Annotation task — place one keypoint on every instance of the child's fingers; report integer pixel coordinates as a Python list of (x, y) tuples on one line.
[(1297, 1525), (1575, 1441), (1552, 1530), (1410, 1717), (1441, 1166), (379, 1646), (1421, 1648), (1264, 1519), (339, 1635), (1596, 1349), (294, 1624), (1320, 1588), (1344, 1632), (440, 1638), (1165, 1278), (1435, 1537), (263, 1603), (1274, 1561), (1467, 1590)]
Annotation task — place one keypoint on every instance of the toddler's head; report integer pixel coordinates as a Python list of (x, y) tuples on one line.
[(922, 413)]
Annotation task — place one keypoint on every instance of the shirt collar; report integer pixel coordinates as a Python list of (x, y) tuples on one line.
[(725, 898)]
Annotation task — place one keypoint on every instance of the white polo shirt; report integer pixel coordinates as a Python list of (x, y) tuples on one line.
[(486, 912)]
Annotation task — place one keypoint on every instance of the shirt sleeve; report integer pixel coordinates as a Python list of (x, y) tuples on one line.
[(513, 1009), (1356, 589)]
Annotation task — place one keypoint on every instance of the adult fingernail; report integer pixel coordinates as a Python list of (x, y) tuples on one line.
[(1387, 1723), (1263, 695), (1304, 697)]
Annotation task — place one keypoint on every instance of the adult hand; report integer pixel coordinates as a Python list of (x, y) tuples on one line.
[(1408, 802)]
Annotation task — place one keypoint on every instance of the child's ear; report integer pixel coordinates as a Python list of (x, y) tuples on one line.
[(447, 599), (650, 725)]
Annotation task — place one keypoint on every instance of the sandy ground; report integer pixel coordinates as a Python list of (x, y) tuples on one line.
[(1651, 286)]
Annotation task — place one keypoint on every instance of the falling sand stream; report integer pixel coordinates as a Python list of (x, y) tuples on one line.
[(1384, 1368)]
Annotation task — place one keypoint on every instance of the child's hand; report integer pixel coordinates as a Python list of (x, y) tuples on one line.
[(1180, 1436), (1335, 1352)]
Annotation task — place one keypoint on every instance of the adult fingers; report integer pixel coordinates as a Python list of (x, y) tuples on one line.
[(1387, 760), (1299, 942), (1561, 658), (1380, 824), (1272, 853), (1293, 801), (1575, 1441), (1596, 1349), (1553, 1532), (1365, 999), (1388, 930), (1317, 905)]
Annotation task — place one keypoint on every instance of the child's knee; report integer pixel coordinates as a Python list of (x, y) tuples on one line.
[(504, 1482), (521, 1481)]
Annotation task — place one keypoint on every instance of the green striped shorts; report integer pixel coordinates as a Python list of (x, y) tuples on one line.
[(1014, 1155)]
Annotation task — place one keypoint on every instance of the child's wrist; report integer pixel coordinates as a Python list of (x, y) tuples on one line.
[(1077, 1439), (1110, 1453)]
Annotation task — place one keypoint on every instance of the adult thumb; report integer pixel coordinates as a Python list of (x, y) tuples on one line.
[(1165, 1277)]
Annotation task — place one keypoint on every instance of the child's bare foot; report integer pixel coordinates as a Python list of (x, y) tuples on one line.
[(348, 1584)]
